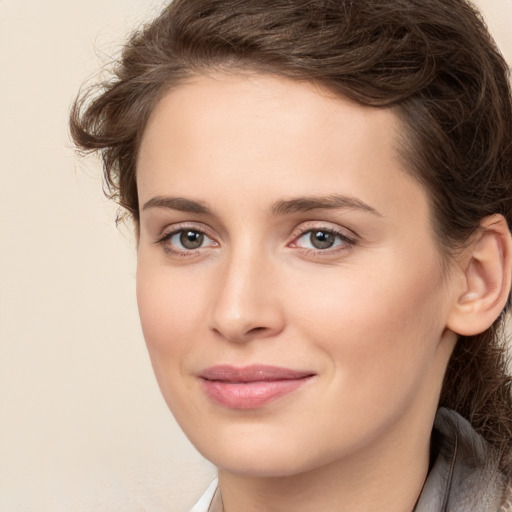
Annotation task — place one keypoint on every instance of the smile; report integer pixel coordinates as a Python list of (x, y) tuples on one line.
[(250, 387)]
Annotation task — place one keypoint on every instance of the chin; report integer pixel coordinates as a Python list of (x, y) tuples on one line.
[(263, 454), (261, 464)]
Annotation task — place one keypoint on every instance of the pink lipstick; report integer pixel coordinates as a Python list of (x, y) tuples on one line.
[(252, 386)]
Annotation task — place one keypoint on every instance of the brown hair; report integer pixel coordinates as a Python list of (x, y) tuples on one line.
[(432, 60)]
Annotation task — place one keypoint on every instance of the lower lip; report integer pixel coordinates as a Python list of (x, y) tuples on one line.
[(250, 395)]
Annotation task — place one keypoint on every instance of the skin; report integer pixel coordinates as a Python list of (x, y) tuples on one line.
[(368, 316)]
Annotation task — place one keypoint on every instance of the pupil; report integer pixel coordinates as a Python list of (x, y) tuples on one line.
[(191, 239), (322, 239)]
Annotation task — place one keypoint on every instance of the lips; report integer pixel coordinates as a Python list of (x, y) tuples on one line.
[(250, 387)]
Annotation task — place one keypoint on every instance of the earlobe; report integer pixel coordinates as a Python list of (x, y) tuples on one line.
[(487, 275)]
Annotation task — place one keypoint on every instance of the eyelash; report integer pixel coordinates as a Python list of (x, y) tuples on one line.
[(346, 244)]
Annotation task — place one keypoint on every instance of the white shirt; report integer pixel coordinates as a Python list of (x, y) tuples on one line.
[(206, 499)]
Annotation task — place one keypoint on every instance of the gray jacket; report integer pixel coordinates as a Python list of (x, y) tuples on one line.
[(463, 477)]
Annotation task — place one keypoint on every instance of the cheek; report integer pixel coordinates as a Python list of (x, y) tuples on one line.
[(170, 312), (170, 309), (379, 336), (378, 325)]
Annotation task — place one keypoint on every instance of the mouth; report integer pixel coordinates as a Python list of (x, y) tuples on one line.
[(252, 386)]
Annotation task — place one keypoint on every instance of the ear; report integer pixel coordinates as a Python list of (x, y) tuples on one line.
[(486, 280)]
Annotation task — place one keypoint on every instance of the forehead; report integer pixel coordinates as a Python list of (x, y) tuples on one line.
[(251, 101), (259, 114), (253, 136)]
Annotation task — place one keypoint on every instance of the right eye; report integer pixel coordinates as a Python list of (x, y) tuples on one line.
[(188, 239), (185, 240)]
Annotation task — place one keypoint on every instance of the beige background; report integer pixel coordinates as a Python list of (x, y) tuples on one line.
[(82, 424)]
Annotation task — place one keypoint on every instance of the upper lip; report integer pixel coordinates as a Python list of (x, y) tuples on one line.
[(252, 373)]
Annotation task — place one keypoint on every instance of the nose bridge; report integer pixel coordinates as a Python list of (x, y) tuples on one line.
[(245, 305)]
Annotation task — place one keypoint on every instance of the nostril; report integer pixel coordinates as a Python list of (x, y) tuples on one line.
[(256, 330)]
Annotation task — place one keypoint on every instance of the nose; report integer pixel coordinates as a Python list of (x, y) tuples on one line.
[(247, 304)]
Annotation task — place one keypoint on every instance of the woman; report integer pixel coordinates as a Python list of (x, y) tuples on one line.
[(321, 191)]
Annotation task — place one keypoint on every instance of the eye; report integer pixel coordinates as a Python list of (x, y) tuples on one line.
[(181, 241), (323, 239), (189, 239)]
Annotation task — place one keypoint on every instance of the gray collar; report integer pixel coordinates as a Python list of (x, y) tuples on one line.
[(464, 476)]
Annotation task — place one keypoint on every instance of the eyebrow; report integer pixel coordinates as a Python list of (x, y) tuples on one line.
[(282, 207), (306, 204), (177, 203)]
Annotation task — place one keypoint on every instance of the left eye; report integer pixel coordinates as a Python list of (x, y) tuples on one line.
[(322, 239)]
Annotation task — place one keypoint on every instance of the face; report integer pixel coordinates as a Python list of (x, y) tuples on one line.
[(290, 290)]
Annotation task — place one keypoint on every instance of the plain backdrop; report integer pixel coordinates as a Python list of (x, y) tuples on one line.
[(82, 423)]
